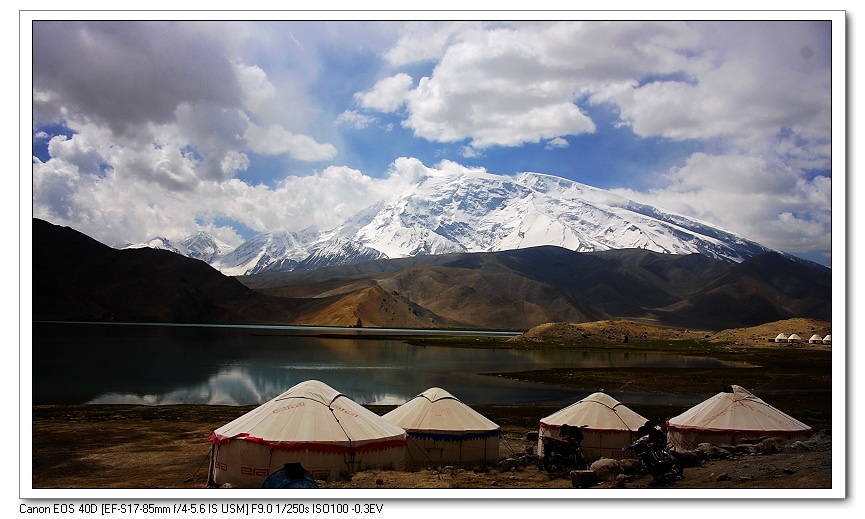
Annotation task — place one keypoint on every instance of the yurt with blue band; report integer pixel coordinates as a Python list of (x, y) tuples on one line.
[(442, 430)]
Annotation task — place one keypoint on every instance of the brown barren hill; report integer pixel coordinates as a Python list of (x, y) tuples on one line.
[(606, 332), (368, 307), (763, 335), (629, 331)]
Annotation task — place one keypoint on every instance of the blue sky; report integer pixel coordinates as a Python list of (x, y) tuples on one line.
[(146, 128)]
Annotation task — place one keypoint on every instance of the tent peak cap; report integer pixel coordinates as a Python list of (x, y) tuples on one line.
[(313, 390), (437, 410), (434, 394)]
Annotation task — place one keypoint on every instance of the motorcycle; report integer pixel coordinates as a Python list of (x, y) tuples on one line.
[(565, 451), (656, 457)]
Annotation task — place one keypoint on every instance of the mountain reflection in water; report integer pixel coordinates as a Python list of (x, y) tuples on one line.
[(160, 365)]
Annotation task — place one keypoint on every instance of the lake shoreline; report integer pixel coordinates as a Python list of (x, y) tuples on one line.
[(796, 379)]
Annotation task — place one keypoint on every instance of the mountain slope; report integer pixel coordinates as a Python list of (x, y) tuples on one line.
[(371, 306), (766, 288), (523, 288), (78, 278)]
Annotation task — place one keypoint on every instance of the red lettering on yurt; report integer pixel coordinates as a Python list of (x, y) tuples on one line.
[(344, 410), (287, 407)]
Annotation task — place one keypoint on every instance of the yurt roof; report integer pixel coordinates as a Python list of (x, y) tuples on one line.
[(437, 411), (310, 412), (597, 411), (736, 409)]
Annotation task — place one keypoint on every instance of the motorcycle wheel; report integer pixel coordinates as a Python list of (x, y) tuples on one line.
[(551, 463), (660, 477)]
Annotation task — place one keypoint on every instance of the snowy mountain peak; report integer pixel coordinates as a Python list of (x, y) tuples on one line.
[(482, 212), (205, 247), (159, 242), (456, 209), (339, 251), (259, 253), (199, 245)]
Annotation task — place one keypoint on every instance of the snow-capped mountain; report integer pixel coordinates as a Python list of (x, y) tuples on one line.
[(339, 251), (482, 212), (476, 211), (265, 250), (159, 243), (205, 247), (199, 246)]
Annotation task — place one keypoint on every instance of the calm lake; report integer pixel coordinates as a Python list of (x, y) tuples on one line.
[(227, 365)]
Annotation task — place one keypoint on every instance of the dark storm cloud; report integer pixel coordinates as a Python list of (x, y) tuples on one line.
[(127, 73)]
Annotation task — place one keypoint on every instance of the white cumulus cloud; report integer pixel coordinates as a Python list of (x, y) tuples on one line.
[(355, 119), (557, 142), (275, 140), (387, 95), (762, 200), (510, 84)]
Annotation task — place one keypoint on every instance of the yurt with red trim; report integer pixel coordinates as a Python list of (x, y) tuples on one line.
[(731, 417), (442, 430), (610, 425), (311, 424)]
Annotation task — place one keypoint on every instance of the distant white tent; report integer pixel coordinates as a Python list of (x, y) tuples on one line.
[(827, 339), (780, 338), (442, 430), (794, 338), (311, 424), (732, 417), (610, 425), (815, 339)]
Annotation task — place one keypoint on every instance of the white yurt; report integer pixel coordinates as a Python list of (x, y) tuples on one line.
[(815, 339), (311, 424), (780, 338), (827, 339), (794, 338), (731, 417), (610, 425), (442, 430)]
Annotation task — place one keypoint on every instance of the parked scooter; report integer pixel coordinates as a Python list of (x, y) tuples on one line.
[(565, 451), (656, 457)]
